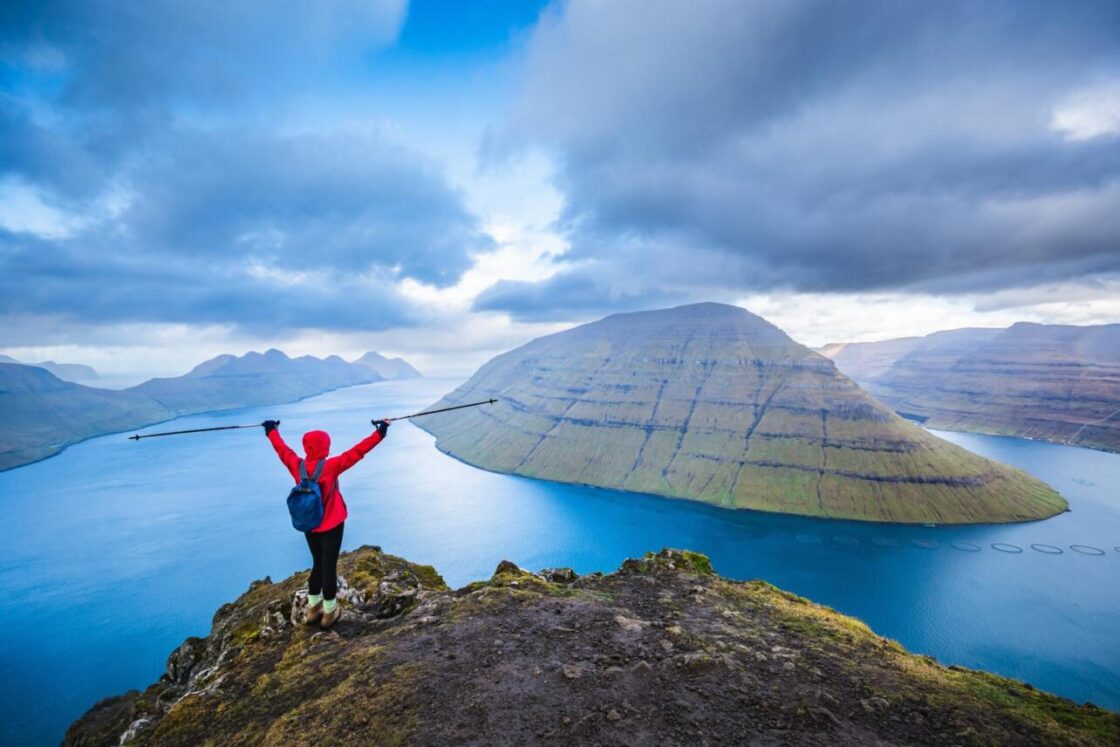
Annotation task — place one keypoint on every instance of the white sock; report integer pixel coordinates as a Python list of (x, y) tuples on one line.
[(314, 599)]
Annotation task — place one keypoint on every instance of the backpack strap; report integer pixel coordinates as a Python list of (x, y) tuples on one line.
[(303, 471), (319, 469)]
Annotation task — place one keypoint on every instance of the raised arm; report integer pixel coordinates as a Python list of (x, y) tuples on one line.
[(352, 456), (287, 456)]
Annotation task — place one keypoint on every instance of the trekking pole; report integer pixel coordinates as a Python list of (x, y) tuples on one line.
[(442, 409), (137, 437)]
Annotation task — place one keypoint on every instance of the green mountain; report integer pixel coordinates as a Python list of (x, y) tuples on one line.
[(712, 403), (388, 368), (662, 652), (1050, 382), (43, 414)]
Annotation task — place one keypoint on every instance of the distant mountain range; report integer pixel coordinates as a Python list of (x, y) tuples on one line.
[(43, 414), (712, 403), (388, 368), (66, 371), (1057, 383)]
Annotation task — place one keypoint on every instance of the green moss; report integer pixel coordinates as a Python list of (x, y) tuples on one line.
[(669, 559), (1053, 716), (246, 631)]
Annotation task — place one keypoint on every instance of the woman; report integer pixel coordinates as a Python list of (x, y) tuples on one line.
[(325, 540)]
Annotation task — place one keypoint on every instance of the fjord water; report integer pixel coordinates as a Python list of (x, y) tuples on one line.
[(116, 550)]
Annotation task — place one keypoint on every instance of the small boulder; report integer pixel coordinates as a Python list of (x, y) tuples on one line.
[(299, 607), (559, 575), (630, 624), (396, 594), (509, 567), (182, 661)]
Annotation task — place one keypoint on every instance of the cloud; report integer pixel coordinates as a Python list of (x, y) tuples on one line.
[(161, 190), (251, 228), (347, 201), (573, 294), (738, 146), (1089, 113), (129, 57)]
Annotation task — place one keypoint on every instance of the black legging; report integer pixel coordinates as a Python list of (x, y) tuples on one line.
[(324, 557)]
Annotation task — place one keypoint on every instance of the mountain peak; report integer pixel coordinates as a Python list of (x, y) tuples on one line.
[(388, 368), (713, 403)]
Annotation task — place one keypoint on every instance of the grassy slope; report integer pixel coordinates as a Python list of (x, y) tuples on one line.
[(710, 405), (42, 414), (662, 652)]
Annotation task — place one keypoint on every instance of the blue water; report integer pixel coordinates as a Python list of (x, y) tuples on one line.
[(116, 550)]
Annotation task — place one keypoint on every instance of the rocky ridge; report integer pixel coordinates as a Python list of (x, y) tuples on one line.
[(663, 651)]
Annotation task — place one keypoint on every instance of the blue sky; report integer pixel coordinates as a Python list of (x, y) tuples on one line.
[(445, 180)]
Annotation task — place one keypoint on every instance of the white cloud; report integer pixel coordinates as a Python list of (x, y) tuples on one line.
[(816, 319), (1089, 113), (23, 210)]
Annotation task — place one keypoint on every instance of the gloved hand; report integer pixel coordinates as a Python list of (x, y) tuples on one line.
[(382, 426), (270, 425)]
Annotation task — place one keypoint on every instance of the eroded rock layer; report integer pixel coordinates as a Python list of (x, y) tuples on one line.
[(712, 403)]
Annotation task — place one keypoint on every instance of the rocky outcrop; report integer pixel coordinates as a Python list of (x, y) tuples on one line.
[(712, 403), (663, 652), (1050, 382)]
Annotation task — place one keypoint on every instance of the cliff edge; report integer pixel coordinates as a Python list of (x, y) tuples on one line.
[(663, 651)]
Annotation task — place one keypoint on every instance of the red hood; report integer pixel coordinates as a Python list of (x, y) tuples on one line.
[(316, 444)]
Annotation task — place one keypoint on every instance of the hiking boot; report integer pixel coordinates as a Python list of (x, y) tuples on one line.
[(314, 614), (330, 618)]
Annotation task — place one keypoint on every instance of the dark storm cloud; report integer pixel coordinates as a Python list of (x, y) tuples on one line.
[(722, 147), (149, 124), (343, 201), (250, 228), (91, 281)]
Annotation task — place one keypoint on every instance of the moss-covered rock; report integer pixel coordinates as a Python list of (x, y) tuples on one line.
[(663, 652)]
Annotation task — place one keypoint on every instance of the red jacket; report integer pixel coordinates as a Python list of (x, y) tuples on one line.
[(317, 444)]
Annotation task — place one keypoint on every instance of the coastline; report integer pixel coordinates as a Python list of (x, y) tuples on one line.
[(63, 447)]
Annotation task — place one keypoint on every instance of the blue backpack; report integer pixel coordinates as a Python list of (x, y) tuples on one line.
[(305, 502)]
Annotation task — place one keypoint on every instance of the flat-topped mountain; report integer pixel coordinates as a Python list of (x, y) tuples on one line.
[(712, 403), (662, 652), (76, 372), (389, 368), (43, 414), (1057, 383)]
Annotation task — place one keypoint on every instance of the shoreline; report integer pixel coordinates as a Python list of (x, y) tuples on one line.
[(224, 410)]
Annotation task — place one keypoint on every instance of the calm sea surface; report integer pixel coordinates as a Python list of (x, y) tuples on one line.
[(115, 551)]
